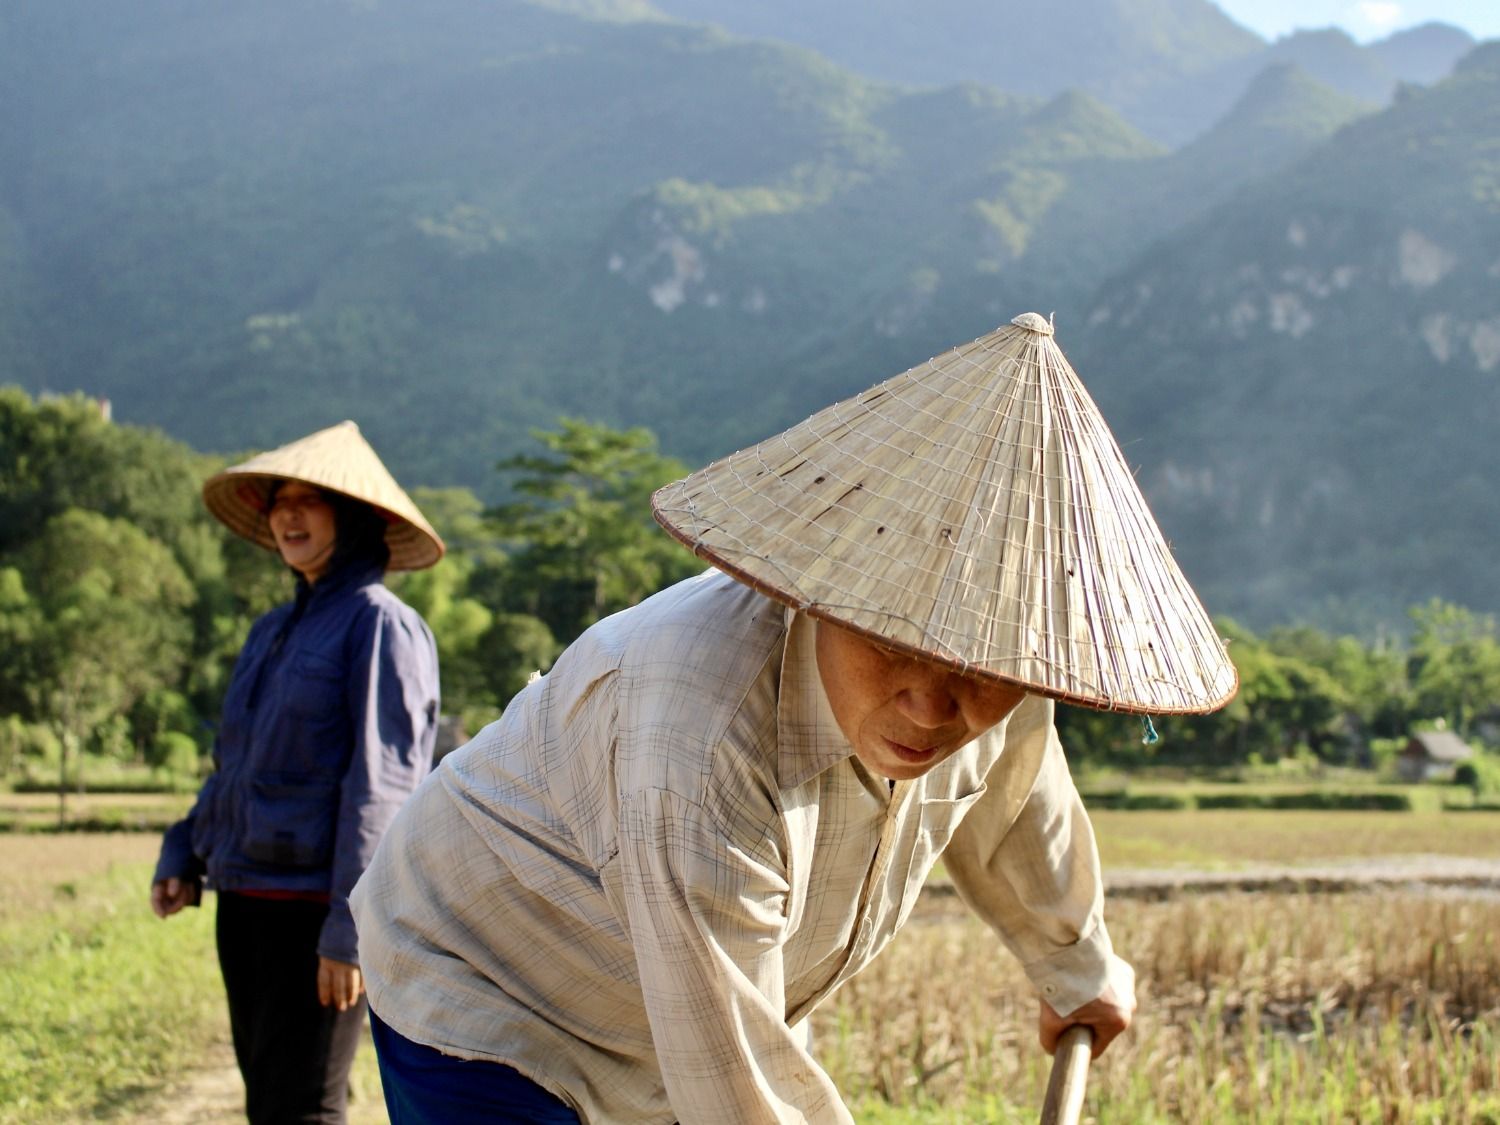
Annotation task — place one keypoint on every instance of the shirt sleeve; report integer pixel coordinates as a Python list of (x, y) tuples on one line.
[(1034, 876), (176, 859), (707, 925), (393, 704)]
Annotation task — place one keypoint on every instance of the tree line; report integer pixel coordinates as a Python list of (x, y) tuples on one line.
[(123, 605)]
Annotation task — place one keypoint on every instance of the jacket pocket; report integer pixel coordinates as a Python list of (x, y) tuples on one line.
[(316, 687), (290, 819)]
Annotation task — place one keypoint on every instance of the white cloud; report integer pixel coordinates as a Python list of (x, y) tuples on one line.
[(1379, 14)]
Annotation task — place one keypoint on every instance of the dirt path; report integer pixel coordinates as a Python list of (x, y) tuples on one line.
[(1437, 873), (209, 1093), (1434, 872)]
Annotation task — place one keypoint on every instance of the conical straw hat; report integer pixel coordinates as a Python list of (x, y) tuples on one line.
[(975, 511), (340, 460)]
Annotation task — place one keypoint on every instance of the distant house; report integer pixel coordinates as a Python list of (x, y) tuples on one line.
[(1432, 755)]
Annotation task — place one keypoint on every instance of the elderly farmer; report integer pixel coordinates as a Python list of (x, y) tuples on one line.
[(622, 900), (328, 725)]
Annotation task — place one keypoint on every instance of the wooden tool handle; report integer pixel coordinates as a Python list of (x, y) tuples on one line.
[(1070, 1071)]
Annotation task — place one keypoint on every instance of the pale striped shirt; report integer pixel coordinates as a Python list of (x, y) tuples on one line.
[(635, 886)]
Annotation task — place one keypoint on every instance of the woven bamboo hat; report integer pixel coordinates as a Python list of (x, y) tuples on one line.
[(975, 511), (338, 459)]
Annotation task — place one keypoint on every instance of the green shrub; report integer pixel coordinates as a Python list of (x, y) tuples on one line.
[(1311, 799), (175, 753), (23, 744), (103, 775), (1480, 775), (1135, 802)]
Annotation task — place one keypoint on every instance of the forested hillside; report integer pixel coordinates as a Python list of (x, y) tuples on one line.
[(123, 606), (455, 221), (1316, 367)]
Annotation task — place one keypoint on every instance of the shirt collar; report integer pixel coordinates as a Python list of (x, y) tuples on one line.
[(808, 736)]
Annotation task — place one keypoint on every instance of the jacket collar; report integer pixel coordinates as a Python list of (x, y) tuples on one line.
[(351, 575)]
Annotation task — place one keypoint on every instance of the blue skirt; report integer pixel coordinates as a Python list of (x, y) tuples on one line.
[(423, 1086)]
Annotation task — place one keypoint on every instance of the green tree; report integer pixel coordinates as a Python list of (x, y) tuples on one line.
[(1283, 703), (62, 453), (582, 540), (447, 597), (20, 620), (108, 625), (512, 649), (1454, 666)]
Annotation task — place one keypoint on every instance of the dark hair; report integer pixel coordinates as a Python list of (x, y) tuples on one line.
[(359, 533), (358, 529)]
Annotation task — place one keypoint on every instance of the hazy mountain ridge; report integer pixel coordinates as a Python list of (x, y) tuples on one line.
[(1107, 218), (1115, 49), (1172, 67), (457, 220), (1311, 371), (1423, 54)]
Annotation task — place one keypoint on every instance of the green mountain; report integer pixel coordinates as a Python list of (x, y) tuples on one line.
[(1104, 46), (1309, 376), (17, 342), (1117, 50), (1106, 218), (482, 214), (1423, 54), (1172, 67), (456, 220)]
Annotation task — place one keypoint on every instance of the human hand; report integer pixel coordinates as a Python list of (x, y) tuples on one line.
[(1108, 1014), (168, 896), (339, 984)]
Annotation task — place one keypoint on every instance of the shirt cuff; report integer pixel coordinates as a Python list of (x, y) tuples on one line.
[(337, 942), (1075, 974), (176, 859)]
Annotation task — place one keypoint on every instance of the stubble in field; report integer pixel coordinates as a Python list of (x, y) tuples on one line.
[(1253, 1008)]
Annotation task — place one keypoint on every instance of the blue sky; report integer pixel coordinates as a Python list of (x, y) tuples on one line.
[(1363, 19)]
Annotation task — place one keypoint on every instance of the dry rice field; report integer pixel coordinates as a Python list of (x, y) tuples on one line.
[(1253, 1008), (1360, 1007)]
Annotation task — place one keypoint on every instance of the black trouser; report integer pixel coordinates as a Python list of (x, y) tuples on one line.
[(293, 1052)]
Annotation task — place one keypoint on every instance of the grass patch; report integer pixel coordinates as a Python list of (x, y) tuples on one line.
[(102, 1000), (1230, 838)]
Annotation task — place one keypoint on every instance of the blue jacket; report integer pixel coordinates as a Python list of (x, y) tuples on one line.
[(328, 725)]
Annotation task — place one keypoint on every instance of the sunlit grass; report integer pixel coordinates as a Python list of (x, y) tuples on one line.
[(1237, 837), (103, 1001)]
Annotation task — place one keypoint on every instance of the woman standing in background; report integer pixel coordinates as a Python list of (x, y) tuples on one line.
[(328, 725)]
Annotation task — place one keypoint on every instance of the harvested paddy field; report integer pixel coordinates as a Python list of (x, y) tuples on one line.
[(1378, 1006), (1254, 1007)]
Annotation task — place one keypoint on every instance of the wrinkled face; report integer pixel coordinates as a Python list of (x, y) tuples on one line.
[(903, 715), (303, 523)]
